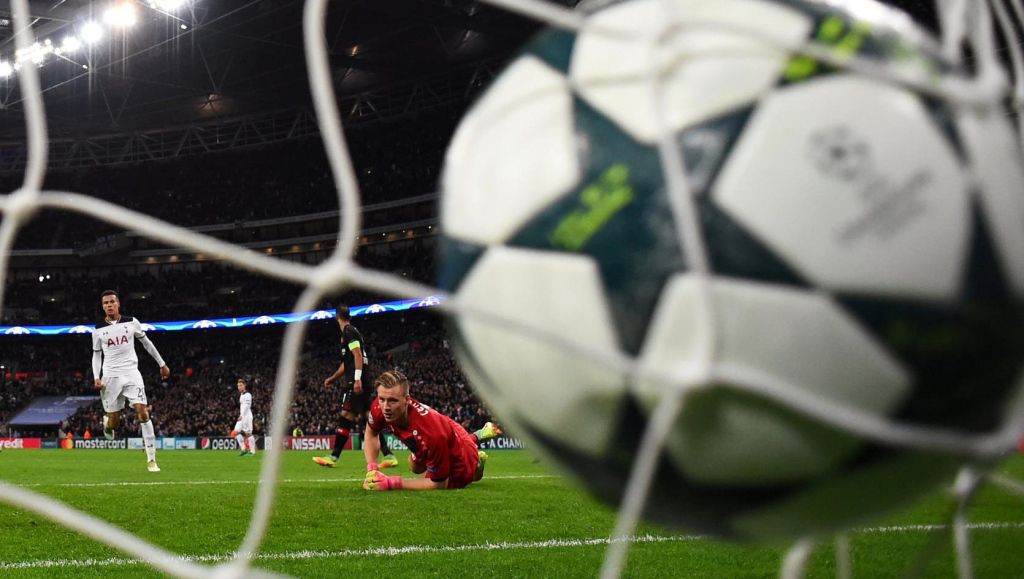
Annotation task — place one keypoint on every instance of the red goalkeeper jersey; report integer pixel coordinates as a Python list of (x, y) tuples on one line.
[(443, 445)]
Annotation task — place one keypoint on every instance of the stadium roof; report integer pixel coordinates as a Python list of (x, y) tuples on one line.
[(210, 59)]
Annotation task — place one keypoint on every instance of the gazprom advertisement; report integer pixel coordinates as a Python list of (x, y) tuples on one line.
[(260, 320)]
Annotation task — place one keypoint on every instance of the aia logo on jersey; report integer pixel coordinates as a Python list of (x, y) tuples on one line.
[(115, 341)]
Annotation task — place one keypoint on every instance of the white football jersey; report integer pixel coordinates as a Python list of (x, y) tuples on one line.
[(245, 405), (117, 342)]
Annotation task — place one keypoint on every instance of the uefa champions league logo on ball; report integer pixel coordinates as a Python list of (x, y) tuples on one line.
[(204, 324), (80, 330), (321, 315), (838, 152), (263, 320), (17, 331), (376, 309)]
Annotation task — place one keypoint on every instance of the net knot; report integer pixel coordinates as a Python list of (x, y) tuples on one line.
[(20, 205)]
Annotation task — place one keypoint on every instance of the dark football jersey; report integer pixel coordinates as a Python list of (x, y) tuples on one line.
[(351, 339)]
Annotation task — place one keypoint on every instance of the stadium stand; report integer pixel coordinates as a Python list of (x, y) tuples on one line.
[(185, 291), (393, 161), (278, 192), (200, 397)]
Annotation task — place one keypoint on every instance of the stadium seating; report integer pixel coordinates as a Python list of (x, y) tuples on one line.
[(192, 291), (392, 161), (201, 399)]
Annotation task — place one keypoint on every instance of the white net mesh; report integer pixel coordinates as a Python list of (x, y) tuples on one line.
[(966, 24)]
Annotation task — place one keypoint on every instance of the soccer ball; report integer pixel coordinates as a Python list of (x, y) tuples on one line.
[(865, 244)]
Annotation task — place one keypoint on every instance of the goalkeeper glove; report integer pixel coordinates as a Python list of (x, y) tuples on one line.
[(371, 470), (376, 481)]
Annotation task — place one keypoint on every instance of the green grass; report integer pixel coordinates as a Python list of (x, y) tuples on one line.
[(204, 510)]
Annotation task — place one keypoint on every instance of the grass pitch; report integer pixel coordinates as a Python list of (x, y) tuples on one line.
[(520, 521)]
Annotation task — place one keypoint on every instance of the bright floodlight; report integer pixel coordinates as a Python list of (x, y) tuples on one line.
[(167, 5), (6, 69), (70, 44), (91, 32), (37, 53), (122, 15)]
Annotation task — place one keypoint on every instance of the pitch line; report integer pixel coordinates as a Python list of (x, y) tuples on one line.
[(416, 549), (239, 482)]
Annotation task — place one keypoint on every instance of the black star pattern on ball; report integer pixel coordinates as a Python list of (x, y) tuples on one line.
[(965, 356), (636, 248), (673, 500)]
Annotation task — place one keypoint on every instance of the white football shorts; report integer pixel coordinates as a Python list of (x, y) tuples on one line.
[(117, 389), (244, 425)]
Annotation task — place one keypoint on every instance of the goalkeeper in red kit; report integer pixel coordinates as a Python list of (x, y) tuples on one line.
[(442, 451)]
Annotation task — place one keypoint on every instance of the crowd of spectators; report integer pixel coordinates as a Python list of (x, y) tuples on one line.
[(202, 291), (393, 160), (201, 399)]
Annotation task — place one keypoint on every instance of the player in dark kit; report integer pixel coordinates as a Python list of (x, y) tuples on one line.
[(355, 401), (442, 451)]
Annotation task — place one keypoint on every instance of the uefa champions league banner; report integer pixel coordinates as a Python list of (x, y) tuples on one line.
[(259, 320), (499, 443), (502, 443)]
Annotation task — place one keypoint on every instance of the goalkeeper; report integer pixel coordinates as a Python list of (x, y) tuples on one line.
[(442, 451)]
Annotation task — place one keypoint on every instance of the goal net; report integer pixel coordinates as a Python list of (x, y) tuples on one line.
[(989, 31)]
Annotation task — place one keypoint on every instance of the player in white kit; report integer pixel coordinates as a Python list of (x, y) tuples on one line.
[(244, 424), (115, 367)]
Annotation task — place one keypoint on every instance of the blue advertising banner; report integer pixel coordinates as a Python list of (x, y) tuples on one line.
[(259, 320), (51, 409)]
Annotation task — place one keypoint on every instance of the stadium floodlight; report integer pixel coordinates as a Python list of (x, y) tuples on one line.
[(37, 53), (122, 15), (167, 5), (6, 69), (91, 32), (70, 44)]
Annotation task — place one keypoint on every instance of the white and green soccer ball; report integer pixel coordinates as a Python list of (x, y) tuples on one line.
[(866, 244)]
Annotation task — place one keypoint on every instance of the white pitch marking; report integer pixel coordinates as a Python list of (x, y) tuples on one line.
[(414, 549), (238, 482), (927, 528)]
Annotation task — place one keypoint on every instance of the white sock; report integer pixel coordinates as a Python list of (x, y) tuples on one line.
[(252, 444), (148, 439), (105, 419), (241, 441)]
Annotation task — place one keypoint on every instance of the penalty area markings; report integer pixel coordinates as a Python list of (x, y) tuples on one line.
[(415, 549)]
